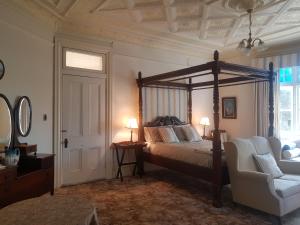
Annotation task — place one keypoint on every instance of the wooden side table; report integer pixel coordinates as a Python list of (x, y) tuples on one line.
[(121, 148), (210, 138)]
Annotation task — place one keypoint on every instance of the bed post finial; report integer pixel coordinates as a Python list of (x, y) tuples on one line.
[(271, 100), (140, 86), (216, 55)]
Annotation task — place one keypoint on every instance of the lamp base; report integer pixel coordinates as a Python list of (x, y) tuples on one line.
[(203, 131), (131, 136)]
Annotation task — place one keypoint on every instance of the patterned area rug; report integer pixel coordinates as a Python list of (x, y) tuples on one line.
[(165, 198)]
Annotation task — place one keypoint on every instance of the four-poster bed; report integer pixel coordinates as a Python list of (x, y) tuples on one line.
[(217, 174)]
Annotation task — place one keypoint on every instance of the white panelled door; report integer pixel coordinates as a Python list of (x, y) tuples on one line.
[(83, 128)]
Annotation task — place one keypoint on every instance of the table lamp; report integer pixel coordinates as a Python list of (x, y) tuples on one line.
[(205, 122), (131, 124)]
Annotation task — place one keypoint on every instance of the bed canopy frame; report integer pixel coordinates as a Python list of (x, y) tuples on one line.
[(239, 75)]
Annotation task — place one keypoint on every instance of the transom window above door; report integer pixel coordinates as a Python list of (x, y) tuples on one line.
[(76, 59)]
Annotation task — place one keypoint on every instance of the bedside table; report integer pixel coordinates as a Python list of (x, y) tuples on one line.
[(121, 148), (210, 138)]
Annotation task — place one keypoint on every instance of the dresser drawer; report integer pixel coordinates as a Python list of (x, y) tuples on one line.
[(7, 175)]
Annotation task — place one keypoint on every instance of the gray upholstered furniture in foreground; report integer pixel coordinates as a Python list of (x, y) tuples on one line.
[(258, 190)]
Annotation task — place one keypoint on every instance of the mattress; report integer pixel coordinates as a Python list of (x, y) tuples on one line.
[(196, 153)]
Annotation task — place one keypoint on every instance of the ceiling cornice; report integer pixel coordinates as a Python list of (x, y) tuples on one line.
[(191, 27), (140, 38)]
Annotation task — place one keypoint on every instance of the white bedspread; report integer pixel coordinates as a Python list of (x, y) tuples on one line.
[(197, 153)]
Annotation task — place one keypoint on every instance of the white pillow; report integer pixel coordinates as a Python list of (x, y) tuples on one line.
[(152, 134), (267, 164), (289, 154), (191, 134), (179, 132), (167, 134)]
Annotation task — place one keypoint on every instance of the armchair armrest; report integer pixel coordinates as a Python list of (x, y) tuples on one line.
[(256, 190), (289, 166), (255, 179)]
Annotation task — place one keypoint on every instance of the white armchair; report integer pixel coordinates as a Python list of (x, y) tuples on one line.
[(259, 190)]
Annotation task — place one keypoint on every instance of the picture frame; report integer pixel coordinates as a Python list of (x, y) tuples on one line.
[(229, 108)]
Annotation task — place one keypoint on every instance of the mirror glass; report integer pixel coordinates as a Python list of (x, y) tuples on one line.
[(5, 123), (24, 116), (2, 69)]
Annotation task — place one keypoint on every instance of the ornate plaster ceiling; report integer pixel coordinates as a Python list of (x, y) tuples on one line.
[(195, 24)]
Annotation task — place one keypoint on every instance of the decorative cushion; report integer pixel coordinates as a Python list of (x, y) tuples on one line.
[(267, 164), (289, 154), (179, 132), (191, 134), (288, 145), (152, 134), (167, 134)]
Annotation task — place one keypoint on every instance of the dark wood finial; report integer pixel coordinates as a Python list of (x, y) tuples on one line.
[(216, 55), (140, 75), (271, 68)]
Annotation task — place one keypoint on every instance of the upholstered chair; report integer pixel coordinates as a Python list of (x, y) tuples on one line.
[(251, 187)]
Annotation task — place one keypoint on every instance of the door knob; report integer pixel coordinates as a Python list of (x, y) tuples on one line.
[(66, 142)]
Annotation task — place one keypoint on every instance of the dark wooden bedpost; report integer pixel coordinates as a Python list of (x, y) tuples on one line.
[(140, 129), (190, 102), (271, 100), (217, 152)]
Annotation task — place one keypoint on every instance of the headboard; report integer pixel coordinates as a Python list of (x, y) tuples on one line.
[(164, 121)]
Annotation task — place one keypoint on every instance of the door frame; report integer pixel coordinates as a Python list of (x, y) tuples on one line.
[(89, 45)]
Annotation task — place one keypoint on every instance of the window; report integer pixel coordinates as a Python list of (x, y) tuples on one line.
[(289, 105), (84, 60)]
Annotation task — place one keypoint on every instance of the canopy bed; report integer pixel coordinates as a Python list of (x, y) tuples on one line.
[(184, 79)]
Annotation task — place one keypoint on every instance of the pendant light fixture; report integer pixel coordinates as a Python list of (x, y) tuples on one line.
[(247, 45)]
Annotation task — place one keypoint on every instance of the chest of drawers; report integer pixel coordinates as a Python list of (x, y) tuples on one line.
[(33, 177)]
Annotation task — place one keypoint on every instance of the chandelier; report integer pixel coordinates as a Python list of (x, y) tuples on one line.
[(246, 45)]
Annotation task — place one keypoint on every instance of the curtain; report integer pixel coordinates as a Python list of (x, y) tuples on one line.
[(262, 92), (164, 102)]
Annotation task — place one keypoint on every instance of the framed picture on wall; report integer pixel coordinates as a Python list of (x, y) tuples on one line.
[(229, 107)]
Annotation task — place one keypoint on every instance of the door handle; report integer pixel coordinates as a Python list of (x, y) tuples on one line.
[(66, 142)]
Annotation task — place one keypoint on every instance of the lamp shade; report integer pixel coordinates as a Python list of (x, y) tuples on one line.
[(204, 121), (132, 123)]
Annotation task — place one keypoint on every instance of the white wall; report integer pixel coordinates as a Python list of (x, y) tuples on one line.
[(26, 47), (28, 58), (127, 61), (244, 125)]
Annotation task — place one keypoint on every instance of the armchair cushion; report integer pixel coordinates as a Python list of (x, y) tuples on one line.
[(267, 164), (286, 188)]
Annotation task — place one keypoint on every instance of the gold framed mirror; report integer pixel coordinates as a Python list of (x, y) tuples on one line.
[(23, 116)]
